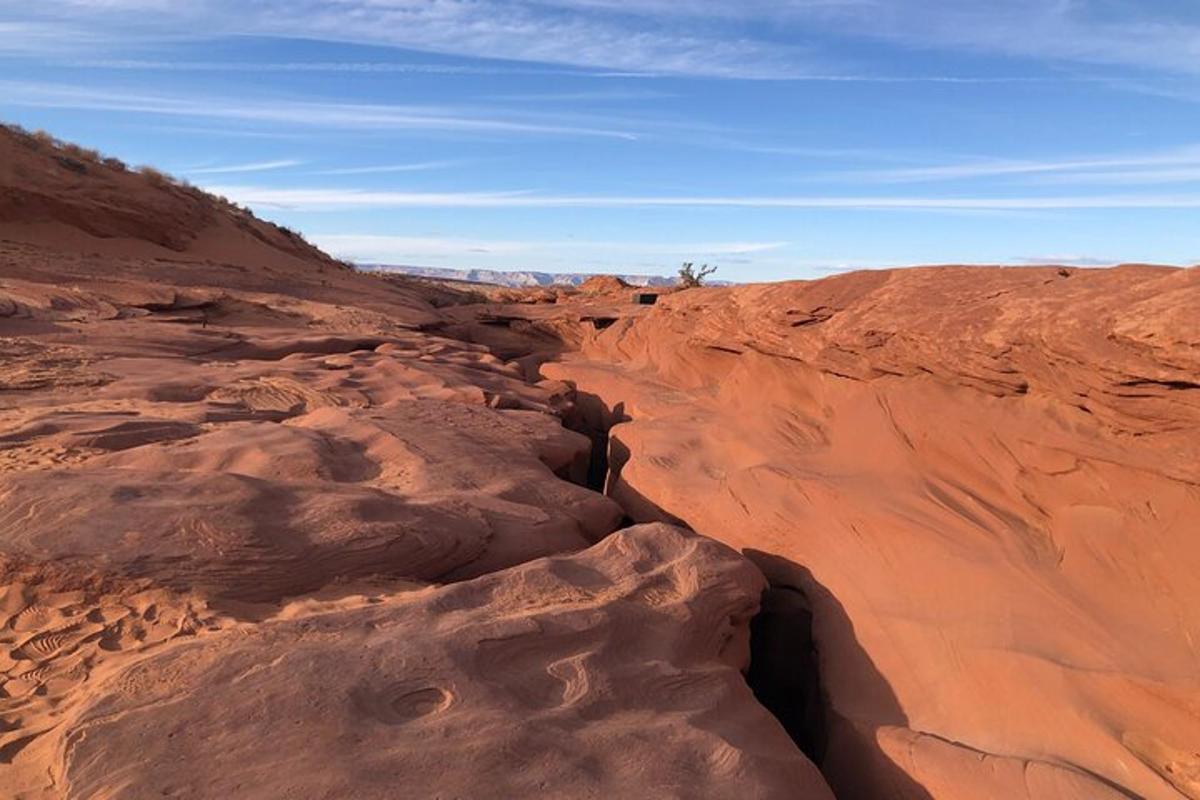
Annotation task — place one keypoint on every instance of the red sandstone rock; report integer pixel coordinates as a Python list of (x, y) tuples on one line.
[(612, 673), (986, 480), (227, 454)]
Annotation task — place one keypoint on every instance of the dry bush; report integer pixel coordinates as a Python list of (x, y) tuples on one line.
[(293, 234), (44, 139), (79, 153), (690, 277), (154, 176), (115, 164)]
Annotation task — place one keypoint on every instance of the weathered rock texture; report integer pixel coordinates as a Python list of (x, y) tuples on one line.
[(987, 483), (612, 673), (269, 527), (228, 467)]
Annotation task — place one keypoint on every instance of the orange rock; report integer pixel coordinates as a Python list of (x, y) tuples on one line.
[(986, 482)]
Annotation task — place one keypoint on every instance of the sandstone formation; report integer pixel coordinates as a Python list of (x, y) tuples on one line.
[(986, 481), (613, 673), (212, 436), (271, 527)]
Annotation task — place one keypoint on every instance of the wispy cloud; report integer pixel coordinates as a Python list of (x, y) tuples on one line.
[(714, 38), (362, 67), (310, 114), (367, 247), (419, 166), (510, 30), (42, 38), (1141, 35), (499, 69), (258, 166), (1167, 166), (1068, 260), (328, 199), (570, 254)]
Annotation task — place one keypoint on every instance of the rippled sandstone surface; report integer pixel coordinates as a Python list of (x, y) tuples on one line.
[(270, 527), (986, 481)]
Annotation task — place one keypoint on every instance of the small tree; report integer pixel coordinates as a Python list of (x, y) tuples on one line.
[(690, 277)]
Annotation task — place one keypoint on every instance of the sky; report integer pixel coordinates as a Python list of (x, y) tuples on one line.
[(775, 138)]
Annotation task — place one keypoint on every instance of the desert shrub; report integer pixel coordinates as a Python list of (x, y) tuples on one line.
[(154, 176), (80, 153), (115, 164), (44, 139), (690, 277), (294, 235)]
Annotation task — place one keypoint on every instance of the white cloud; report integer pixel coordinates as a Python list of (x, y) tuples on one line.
[(259, 166), (311, 114), (364, 67), (44, 38), (331, 199), (502, 253), (697, 37), (1115, 168), (513, 30), (420, 166), (1078, 31), (357, 245), (1068, 260)]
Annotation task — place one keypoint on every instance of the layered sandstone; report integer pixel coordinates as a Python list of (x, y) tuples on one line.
[(985, 481)]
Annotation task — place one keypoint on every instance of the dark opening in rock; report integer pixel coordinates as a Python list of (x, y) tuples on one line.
[(784, 670)]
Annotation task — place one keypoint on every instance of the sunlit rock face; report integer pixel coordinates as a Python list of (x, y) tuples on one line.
[(614, 672), (985, 481)]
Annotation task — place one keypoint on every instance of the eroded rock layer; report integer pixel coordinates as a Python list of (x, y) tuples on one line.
[(229, 469), (269, 527), (612, 673), (986, 481)]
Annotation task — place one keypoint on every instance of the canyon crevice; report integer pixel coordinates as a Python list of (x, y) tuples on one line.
[(270, 525), (980, 517)]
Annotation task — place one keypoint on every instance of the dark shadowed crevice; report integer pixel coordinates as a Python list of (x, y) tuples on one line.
[(593, 418), (784, 668)]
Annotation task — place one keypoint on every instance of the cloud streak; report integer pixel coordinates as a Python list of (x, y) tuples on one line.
[(508, 30), (310, 114), (371, 247), (318, 199), (1166, 166), (411, 68), (258, 166), (712, 38), (419, 166), (359, 67)]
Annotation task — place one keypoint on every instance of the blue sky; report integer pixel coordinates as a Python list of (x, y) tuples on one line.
[(778, 139)]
